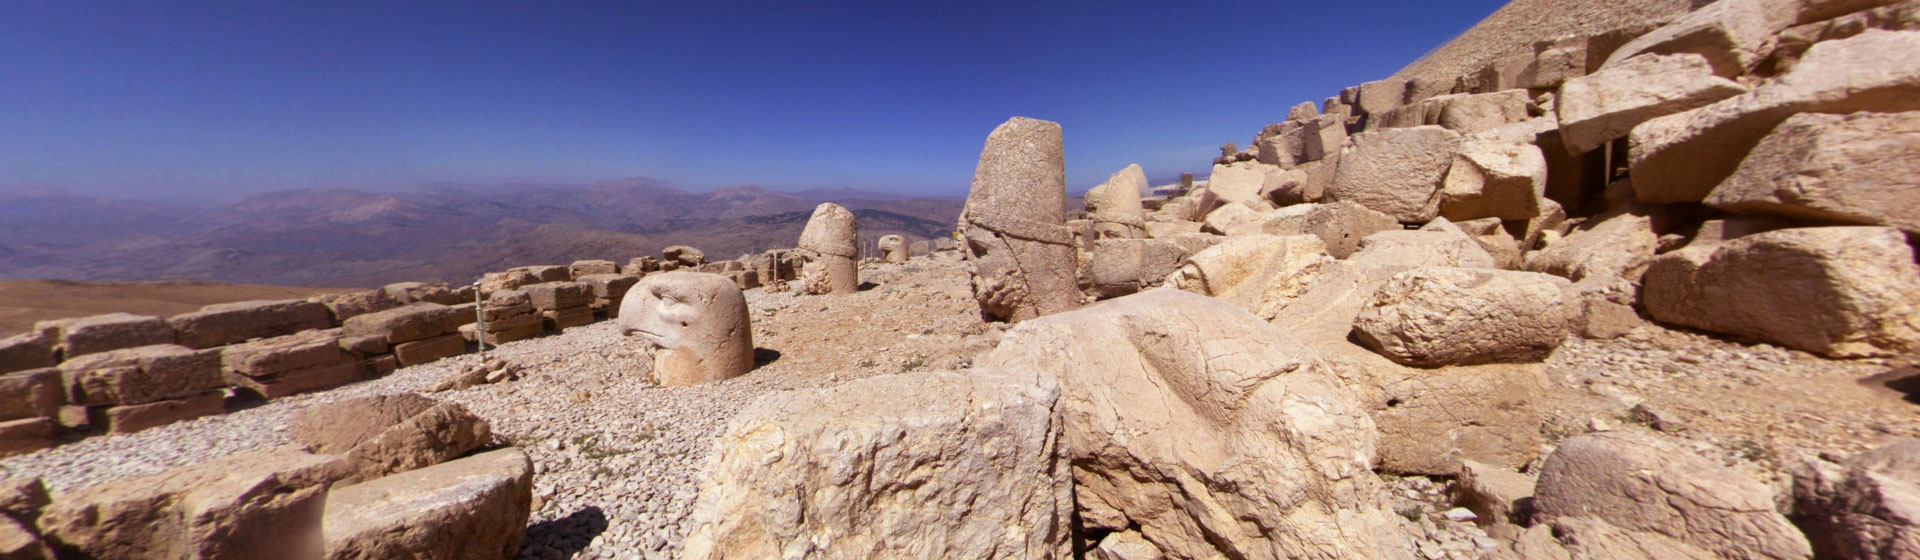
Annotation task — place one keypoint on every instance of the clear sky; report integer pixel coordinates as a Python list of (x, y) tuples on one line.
[(225, 99)]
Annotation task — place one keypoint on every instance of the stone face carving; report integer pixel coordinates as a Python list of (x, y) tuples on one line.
[(895, 248), (832, 238), (1014, 223), (697, 320), (1115, 205)]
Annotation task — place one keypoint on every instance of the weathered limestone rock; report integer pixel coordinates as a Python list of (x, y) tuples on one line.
[(1199, 425), (1859, 168), (1732, 35), (264, 504), (547, 273), (385, 434), (1417, 248), (1606, 105), (1341, 225), (1431, 421), (894, 248), (1258, 272), (640, 266), (137, 417), (588, 267), (1124, 266), (1839, 291), (432, 349), (476, 507), (422, 292), (1682, 157), (405, 324), (1242, 183), (1620, 245), (1431, 317), (26, 435), (1586, 538), (554, 296), (1396, 171), (510, 280), (1115, 205), (281, 366), (1164, 230), (1498, 495), (101, 333), (919, 249), (509, 315), (1638, 482), (21, 500), (1379, 96), (1606, 303), (1021, 254), (31, 393), (609, 290), (917, 465), (1494, 179), (141, 375), (226, 323), (1867, 506), (26, 351), (1463, 113), (1834, 20), (698, 321), (1233, 219), (681, 256), (833, 239)]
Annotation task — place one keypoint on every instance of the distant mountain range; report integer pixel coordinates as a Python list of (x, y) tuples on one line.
[(450, 233)]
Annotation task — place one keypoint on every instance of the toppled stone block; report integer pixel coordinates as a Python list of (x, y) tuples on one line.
[(128, 419), (1233, 219), (281, 366), (265, 504), (227, 323), (510, 280), (590, 267), (559, 295), (1606, 105), (609, 286), (550, 273), (954, 473), (142, 375), (1259, 273), (26, 351), (31, 393), (423, 351), (476, 507), (1431, 317), (341, 307), (1639, 482), (1866, 506), (405, 324), (1396, 171), (1124, 266), (26, 435), (422, 292), (1242, 183), (1619, 244), (1341, 225), (386, 434), (1838, 291), (1861, 168), (102, 333), (1732, 35), (1417, 248), (1497, 495), (1494, 179)]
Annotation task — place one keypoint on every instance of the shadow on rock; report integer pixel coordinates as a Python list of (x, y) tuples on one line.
[(564, 536)]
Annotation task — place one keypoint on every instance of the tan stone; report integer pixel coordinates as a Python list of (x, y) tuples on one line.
[(1606, 105), (102, 333), (1209, 431), (1341, 225), (1163, 230), (1437, 316), (1639, 482), (386, 434), (264, 504), (1839, 291), (699, 322), (476, 507), (1115, 205), (1396, 171), (1413, 248), (1866, 506), (1498, 495), (590, 267), (1124, 266), (138, 417), (274, 356), (1233, 219), (1021, 256), (948, 465), (548, 273), (1682, 157), (26, 351), (26, 435), (893, 249), (1494, 179), (1258, 272), (1585, 538), (406, 323), (1861, 168), (1733, 35), (548, 296), (1379, 96), (1243, 183), (1618, 244), (681, 256), (582, 315), (141, 375), (1431, 420), (833, 237), (314, 378), (31, 393), (422, 351)]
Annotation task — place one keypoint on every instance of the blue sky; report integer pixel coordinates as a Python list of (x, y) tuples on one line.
[(225, 99)]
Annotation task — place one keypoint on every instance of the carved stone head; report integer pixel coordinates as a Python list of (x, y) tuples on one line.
[(698, 321), (895, 248)]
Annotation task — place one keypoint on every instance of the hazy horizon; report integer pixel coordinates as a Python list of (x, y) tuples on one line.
[(220, 103)]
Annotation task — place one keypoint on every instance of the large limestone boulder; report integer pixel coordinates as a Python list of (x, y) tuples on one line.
[(832, 238), (1505, 180), (1604, 106), (26, 351), (1341, 225), (1586, 538), (1430, 317), (1207, 432), (1732, 35), (919, 465), (1860, 168), (1396, 171), (104, 333), (1124, 266), (264, 504), (1233, 219), (1115, 205), (226, 323), (1619, 245), (1867, 506), (1244, 183), (386, 434), (141, 375), (1022, 257), (1639, 482), (475, 507), (1417, 248), (1432, 421), (1258, 272), (1839, 291), (1684, 156)]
